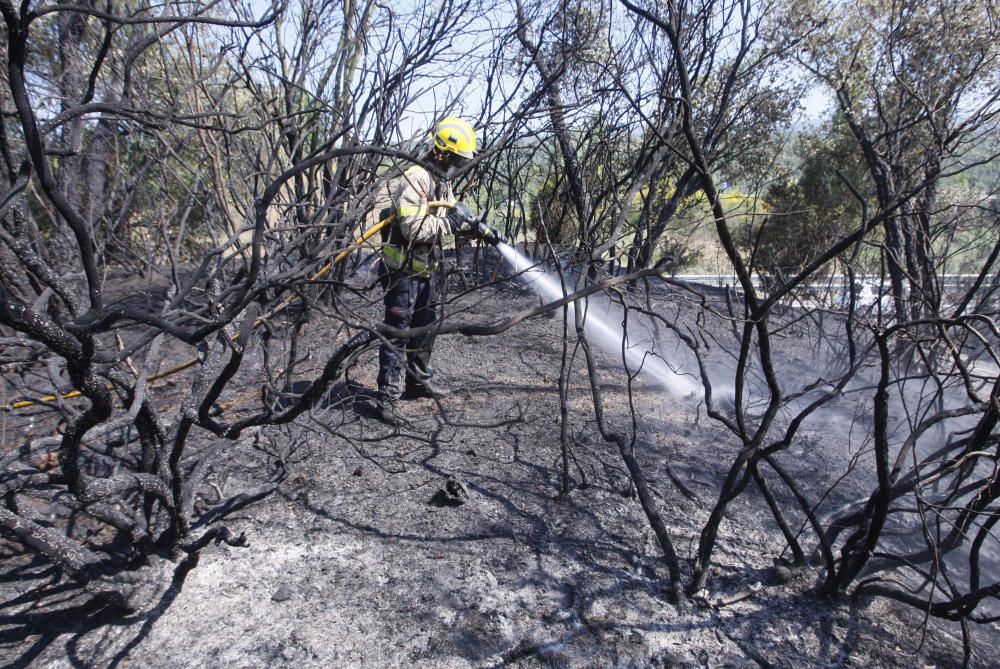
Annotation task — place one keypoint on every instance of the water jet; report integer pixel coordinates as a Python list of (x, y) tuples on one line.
[(607, 335)]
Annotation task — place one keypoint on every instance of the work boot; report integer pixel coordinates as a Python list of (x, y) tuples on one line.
[(424, 388), (378, 405), (386, 410)]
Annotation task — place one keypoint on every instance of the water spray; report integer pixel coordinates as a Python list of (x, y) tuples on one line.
[(607, 335)]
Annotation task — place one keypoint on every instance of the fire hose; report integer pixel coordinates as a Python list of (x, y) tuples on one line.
[(481, 228)]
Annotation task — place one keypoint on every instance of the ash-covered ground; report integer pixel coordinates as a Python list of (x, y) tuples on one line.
[(361, 559)]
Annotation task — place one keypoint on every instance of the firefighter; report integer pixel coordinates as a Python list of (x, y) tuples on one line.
[(410, 271)]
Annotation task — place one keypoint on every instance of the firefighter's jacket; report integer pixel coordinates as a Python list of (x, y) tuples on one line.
[(418, 227)]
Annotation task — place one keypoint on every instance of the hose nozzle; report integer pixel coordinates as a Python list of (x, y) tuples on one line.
[(493, 236), (487, 232)]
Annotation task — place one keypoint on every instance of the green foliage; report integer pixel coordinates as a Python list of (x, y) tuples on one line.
[(577, 44), (550, 214), (808, 214)]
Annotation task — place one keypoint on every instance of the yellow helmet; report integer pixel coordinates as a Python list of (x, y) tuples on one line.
[(456, 136)]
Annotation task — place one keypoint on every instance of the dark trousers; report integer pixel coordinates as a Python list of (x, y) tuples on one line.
[(411, 301)]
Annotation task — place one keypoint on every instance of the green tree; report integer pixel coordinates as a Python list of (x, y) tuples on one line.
[(812, 211), (918, 84)]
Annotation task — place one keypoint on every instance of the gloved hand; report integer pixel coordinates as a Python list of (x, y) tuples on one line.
[(460, 218)]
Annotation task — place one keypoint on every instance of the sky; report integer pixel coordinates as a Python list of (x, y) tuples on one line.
[(467, 82)]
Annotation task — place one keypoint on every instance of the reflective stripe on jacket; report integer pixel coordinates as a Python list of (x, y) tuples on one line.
[(416, 228), (396, 259)]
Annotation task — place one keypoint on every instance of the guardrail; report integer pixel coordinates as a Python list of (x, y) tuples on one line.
[(828, 281)]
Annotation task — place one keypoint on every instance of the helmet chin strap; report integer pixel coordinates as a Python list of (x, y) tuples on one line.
[(440, 161), (447, 165)]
